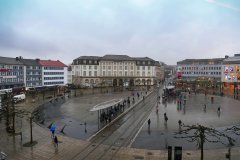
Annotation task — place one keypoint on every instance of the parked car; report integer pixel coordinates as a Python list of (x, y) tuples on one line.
[(19, 98)]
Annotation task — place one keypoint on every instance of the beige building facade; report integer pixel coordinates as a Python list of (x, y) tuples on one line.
[(115, 70)]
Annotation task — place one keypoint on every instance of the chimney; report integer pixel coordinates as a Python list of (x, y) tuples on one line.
[(226, 56)]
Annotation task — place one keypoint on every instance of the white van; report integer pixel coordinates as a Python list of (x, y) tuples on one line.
[(20, 97)]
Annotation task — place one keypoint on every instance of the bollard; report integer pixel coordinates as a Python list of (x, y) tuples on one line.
[(169, 152)]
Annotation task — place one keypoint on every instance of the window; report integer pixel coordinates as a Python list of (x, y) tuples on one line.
[(90, 67), (90, 62), (143, 62), (120, 67), (90, 73), (143, 73), (125, 67), (143, 67), (138, 68), (103, 73), (149, 67), (149, 62), (84, 67), (95, 62), (131, 67), (115, 67), (109, 67), (138, 73), (109, 73), (95, 73), (84, 73), (95, 67), (131, 73), (125, 73), (120, 73), (103, 67), (115, 73), (84, 61)]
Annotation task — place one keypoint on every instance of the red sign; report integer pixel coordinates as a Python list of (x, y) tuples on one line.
[(4, 70)]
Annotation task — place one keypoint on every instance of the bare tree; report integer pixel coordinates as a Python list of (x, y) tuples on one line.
[(234, 129), (201, 134)]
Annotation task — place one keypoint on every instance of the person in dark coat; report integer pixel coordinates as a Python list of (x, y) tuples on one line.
[(56, 141), (149, 122)]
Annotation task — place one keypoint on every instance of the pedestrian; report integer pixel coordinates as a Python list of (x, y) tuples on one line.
[(165, 115), (180, 123), (52, 129), (205, 107), (218, 109), (212, 99), (56, 141), (166, 118), (157, 110), (149, 122)]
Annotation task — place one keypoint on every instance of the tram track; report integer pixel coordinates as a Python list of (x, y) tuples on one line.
[(102, 147)]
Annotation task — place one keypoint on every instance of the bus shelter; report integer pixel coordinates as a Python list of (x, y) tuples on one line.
[(108, 110)]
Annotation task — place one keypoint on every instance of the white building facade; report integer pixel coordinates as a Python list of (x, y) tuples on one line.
[(53, 73)]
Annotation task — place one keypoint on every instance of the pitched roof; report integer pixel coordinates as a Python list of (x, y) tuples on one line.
[(143, 59), (117, 57), (52, 63), (8, 60), (89, 57), (30, 62)]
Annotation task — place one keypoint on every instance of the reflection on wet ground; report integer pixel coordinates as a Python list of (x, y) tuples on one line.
[(161, 134), (72, 117)]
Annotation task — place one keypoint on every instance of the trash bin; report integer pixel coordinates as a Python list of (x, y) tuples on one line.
[(177, 153)]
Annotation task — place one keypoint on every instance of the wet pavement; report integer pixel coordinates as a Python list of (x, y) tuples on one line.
[(74, 113), (70, 147), (161, 134)]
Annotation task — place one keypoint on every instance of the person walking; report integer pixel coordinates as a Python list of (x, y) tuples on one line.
[(52, 129), (205, 107), (149, 122), (218, 109), (56, 141), (180, 123)]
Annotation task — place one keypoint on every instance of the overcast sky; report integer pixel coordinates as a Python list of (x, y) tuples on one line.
[(165, 30)]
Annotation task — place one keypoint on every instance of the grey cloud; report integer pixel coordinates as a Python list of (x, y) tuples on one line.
[(10, 39)]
